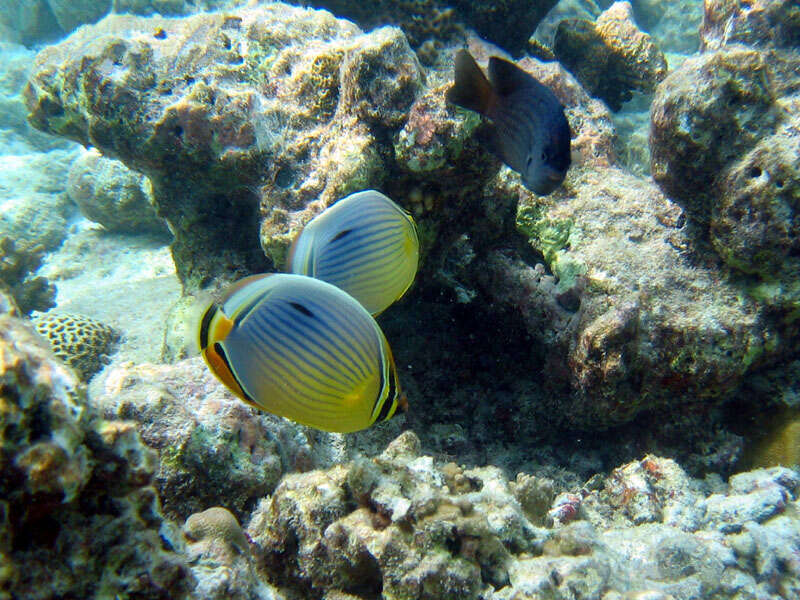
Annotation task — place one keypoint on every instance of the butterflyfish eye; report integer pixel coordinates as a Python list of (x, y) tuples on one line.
[(364, 244), (303, 349)]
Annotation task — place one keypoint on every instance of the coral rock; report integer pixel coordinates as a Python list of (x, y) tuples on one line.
[(722, 146), (79, 518), (274, 95), (616, 324), (213, 448), (610, 57), (108, 193), (26, 293), (768, 23), (508, 24), (409, 533)]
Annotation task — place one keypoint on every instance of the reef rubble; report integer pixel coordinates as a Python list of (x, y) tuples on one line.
[(400, 526)]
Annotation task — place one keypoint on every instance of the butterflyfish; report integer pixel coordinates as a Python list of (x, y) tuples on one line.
[(364, 244), (303, 349), (528, 130)]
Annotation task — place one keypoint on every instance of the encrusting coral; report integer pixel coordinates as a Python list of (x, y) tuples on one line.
[(217, 524), (400, 526)]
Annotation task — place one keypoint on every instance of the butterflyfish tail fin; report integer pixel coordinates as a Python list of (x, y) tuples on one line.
[(471, 89)]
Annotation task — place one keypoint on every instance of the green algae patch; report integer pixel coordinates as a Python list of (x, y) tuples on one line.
[(568, 270), (548, 236), (783, 293), (553, 238)]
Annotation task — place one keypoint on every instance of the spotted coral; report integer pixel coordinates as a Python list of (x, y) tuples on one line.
[(81, 342)]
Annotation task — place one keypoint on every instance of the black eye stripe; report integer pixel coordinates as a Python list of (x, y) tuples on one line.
[(205, 324)]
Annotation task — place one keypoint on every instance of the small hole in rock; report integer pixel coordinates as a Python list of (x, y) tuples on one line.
[(755, 172), (284, 177)]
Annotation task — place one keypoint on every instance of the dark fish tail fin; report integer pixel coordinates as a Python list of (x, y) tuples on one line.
[(507, 78), (470, 89)]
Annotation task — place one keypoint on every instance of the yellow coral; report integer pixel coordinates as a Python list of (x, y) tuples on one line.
[(781, 445)]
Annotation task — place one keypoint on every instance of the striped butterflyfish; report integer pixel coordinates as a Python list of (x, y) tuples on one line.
[(303, 349), (364, 244)]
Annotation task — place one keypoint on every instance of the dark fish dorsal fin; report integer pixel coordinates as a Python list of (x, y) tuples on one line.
[(507, 78), (470, 89)]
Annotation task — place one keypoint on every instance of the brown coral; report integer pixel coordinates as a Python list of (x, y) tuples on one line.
[(218, 524)]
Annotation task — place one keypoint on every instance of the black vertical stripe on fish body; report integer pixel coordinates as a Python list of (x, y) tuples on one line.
[(224, 357), (391, 400), (380, 396)]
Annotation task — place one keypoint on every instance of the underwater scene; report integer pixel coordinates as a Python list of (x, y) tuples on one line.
[(402, 300)]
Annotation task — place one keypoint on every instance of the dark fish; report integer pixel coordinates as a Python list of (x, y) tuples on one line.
[(528, 129)]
